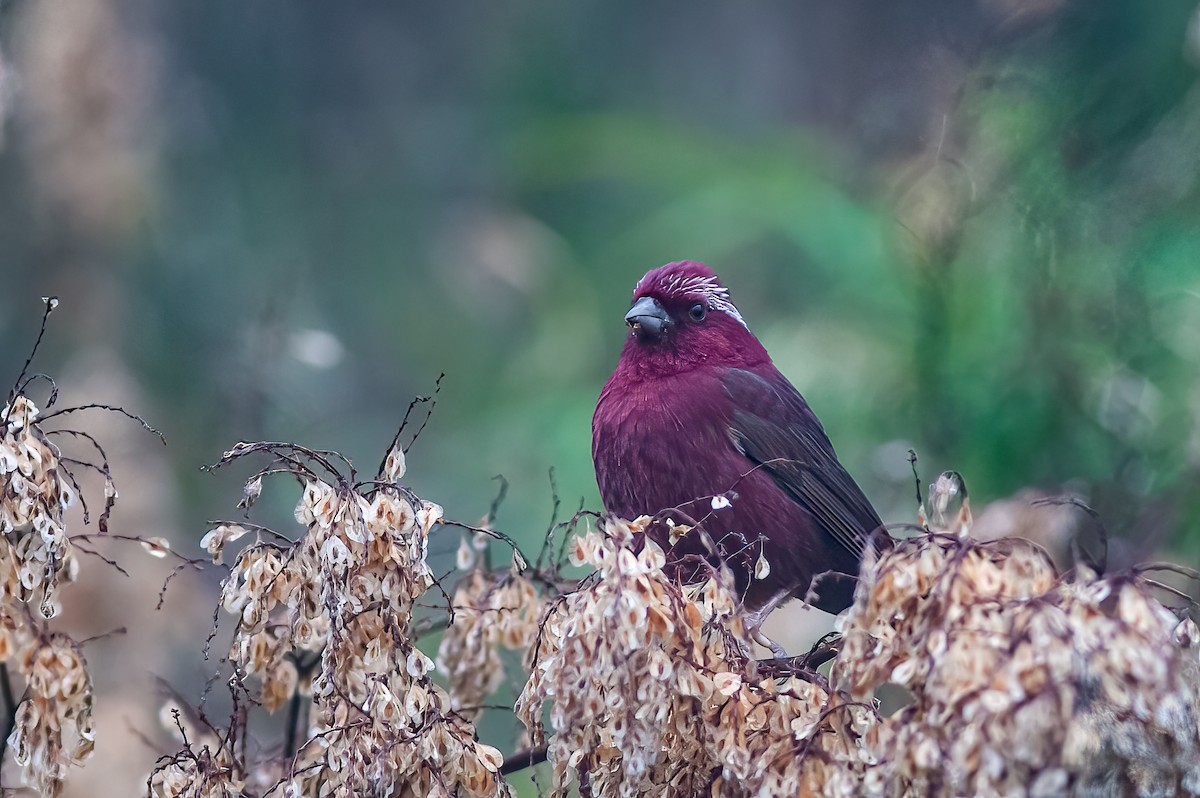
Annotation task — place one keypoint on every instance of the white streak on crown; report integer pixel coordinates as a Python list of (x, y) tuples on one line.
[(715, 294)]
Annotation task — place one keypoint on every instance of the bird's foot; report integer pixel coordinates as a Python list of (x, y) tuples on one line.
[(758, 637), (753, 621)]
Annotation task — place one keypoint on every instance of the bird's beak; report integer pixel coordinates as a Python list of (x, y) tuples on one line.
[(647, 318)]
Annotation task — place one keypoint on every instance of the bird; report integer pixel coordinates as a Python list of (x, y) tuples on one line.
[(697, 424)]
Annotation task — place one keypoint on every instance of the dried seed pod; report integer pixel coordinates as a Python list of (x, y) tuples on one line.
[(1022, 683)]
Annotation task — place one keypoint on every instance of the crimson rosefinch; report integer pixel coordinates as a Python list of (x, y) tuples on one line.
[(698, 425)]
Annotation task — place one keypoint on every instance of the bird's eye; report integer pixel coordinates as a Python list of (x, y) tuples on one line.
[(697, 311)]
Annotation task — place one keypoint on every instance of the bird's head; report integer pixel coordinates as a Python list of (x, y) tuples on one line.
[(682, 317)]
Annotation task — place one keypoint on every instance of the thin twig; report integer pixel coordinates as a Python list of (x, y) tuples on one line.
[(112, 409), (492, 533), (912, 461), (52, 398), (548, 543), (432, 400), (501, 493), (51, 304)]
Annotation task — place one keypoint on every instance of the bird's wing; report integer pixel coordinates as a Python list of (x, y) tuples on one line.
[(774, 427)]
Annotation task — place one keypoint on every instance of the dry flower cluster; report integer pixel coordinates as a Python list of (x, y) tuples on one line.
[(49, 728), (652, 691), (491, 611), (343, 591), (53, 727), (1023, 683), (53, 723), (38, 557)]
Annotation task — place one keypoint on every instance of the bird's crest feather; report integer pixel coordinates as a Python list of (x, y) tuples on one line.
[(688, 278)]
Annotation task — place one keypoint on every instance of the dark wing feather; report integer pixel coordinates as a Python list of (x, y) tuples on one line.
[(773, 426)]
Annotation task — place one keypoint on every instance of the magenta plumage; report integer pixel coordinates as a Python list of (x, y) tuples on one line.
[(696, 409)]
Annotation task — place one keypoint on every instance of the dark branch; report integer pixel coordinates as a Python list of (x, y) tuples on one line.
[(112, 409), (912, 461), (494, 510), (548, 543), (523, 759), (432, 400), (293, 722), (51, 304), (10, 703)]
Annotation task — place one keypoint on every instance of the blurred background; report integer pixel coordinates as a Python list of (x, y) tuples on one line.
[(965, 227)]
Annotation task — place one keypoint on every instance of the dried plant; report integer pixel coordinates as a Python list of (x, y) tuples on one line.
[(50, 727), (491, 611), (342, 595), (652, 690), (1022, 682)]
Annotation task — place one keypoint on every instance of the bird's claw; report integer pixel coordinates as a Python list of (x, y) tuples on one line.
[(754, 622), (758, 637)]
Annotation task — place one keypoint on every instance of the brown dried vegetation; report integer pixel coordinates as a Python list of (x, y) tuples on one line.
[(49, 727), (1022, 682), (343, 592)]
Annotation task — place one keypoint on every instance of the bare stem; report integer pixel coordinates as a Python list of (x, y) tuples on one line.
[(293, 721), (523, 759), (51, 303), (10, 709)]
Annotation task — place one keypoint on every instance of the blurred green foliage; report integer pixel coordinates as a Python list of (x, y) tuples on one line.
[(965, 227)]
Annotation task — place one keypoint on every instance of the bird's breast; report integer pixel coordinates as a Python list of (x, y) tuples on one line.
[(666, 445), (659, 445)]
